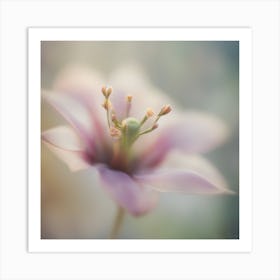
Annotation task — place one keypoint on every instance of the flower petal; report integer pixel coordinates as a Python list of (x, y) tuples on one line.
[(136, 198), (78, 79), (75, 160), (63, 137), (197, 164), (175, 180), (80, 114), (131, 80), (83, 84), (191, 132), (191, 175), (67, 146)]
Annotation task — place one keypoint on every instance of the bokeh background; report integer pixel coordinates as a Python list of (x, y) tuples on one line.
[(200, 75)]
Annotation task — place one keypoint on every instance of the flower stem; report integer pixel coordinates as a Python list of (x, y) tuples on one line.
[(117, 223)]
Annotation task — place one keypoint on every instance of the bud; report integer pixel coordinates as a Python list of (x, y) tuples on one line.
[(165, 110)]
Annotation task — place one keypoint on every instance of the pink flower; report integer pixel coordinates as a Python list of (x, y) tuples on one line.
[(133, 142)]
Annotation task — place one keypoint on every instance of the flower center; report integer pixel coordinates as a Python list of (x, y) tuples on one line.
[(126, 131), (130, 129)]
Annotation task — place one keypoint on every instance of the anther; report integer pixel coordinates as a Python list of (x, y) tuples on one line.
[(107, 104), (128, 105), (114, 132), (154, 126), (149, 113), (109, 91), (115, 121), (106, 91), (114, 118), (165, 110)]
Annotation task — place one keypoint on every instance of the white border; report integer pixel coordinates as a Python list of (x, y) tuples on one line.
[(264, 259), (243, 35)]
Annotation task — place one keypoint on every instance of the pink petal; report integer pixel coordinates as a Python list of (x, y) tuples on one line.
[(191, 132), (75, 160), (197, 164), (78, 79), (83, 84), (173, 180), (130, 80), (66, 145), (136, 198), (63, 137), (191, 175), (80, 114)]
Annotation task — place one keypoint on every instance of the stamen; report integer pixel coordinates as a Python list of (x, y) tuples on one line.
[(106, 91), (128, 130), (149, 129), (129, 98), (128, 105), (165, 110), (107, 105), (149, 112), (115, 121), (114, 132), (108, 118), (114, 118), (109, 91), (154, 126), (143, 120)]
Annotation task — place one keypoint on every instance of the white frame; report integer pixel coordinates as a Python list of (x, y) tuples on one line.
[(243, 35), (262, 16)]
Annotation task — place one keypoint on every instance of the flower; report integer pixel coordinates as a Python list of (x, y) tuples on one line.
[(130, 135)]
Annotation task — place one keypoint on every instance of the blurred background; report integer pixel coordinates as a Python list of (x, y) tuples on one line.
[(198, 75)]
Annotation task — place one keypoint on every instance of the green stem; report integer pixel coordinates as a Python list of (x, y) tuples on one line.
[(117, 223)]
